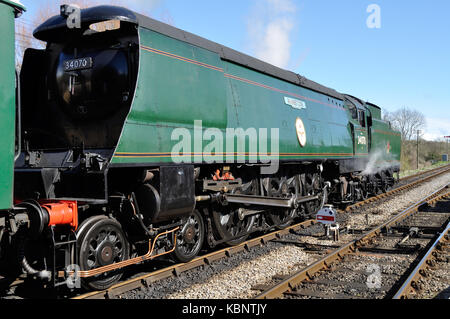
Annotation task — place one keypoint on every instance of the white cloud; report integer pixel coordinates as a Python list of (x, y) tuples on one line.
[(282, 6), (437, 128), (269, 28)]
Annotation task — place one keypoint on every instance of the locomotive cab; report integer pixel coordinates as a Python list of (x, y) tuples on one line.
[(360, 125)]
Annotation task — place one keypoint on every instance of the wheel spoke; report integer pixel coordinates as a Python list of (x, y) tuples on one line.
[(190, 238), (102, 243)]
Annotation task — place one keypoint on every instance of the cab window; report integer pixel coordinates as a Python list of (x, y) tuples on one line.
[(353, 111), (362, 118)]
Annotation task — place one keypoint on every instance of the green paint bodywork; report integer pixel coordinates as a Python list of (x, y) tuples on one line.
[(179, 83), (7, 104)]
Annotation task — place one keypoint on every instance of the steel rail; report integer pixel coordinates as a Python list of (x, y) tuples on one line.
[(411, 283), (442, 167), (126, 263), (176, 270), (290, 283), (396, 190)]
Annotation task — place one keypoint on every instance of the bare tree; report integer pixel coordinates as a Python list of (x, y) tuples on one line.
[(24, 40), (407, 121), (26, 24)]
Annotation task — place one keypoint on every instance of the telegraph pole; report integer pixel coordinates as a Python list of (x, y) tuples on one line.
[(448, 140), (418, 132)]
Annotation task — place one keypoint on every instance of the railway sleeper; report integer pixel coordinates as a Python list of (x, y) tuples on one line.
[(402, 250)]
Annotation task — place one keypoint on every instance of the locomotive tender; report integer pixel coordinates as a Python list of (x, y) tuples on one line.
[(109, 171)]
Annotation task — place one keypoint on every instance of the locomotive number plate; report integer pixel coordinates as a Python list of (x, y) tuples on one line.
[(78, 64)]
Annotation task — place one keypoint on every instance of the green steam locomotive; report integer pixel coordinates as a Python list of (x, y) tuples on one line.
[(136, 140)]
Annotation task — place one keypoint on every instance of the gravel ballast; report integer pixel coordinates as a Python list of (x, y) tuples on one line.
[(233, 278)]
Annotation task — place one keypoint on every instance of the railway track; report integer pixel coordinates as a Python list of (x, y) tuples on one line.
[(173, 271), (422, 174), (405, 184), (376, 264), (438, 252)]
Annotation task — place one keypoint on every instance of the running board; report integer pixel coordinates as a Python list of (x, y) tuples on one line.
[(268, 201)]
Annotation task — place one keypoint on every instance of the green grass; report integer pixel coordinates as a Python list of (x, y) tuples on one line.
[(423, 169)]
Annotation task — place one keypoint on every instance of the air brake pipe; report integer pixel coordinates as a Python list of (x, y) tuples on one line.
[(39, 216), (41, 274)]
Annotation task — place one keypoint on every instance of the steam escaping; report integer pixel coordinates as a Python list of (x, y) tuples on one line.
[(379, 160), (269, 27)]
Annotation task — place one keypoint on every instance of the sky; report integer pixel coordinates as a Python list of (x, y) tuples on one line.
[(392, 53)]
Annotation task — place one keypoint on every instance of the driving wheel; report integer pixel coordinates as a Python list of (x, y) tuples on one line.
[(232, 225), (283, 188), (101, 242), (190, 238)]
